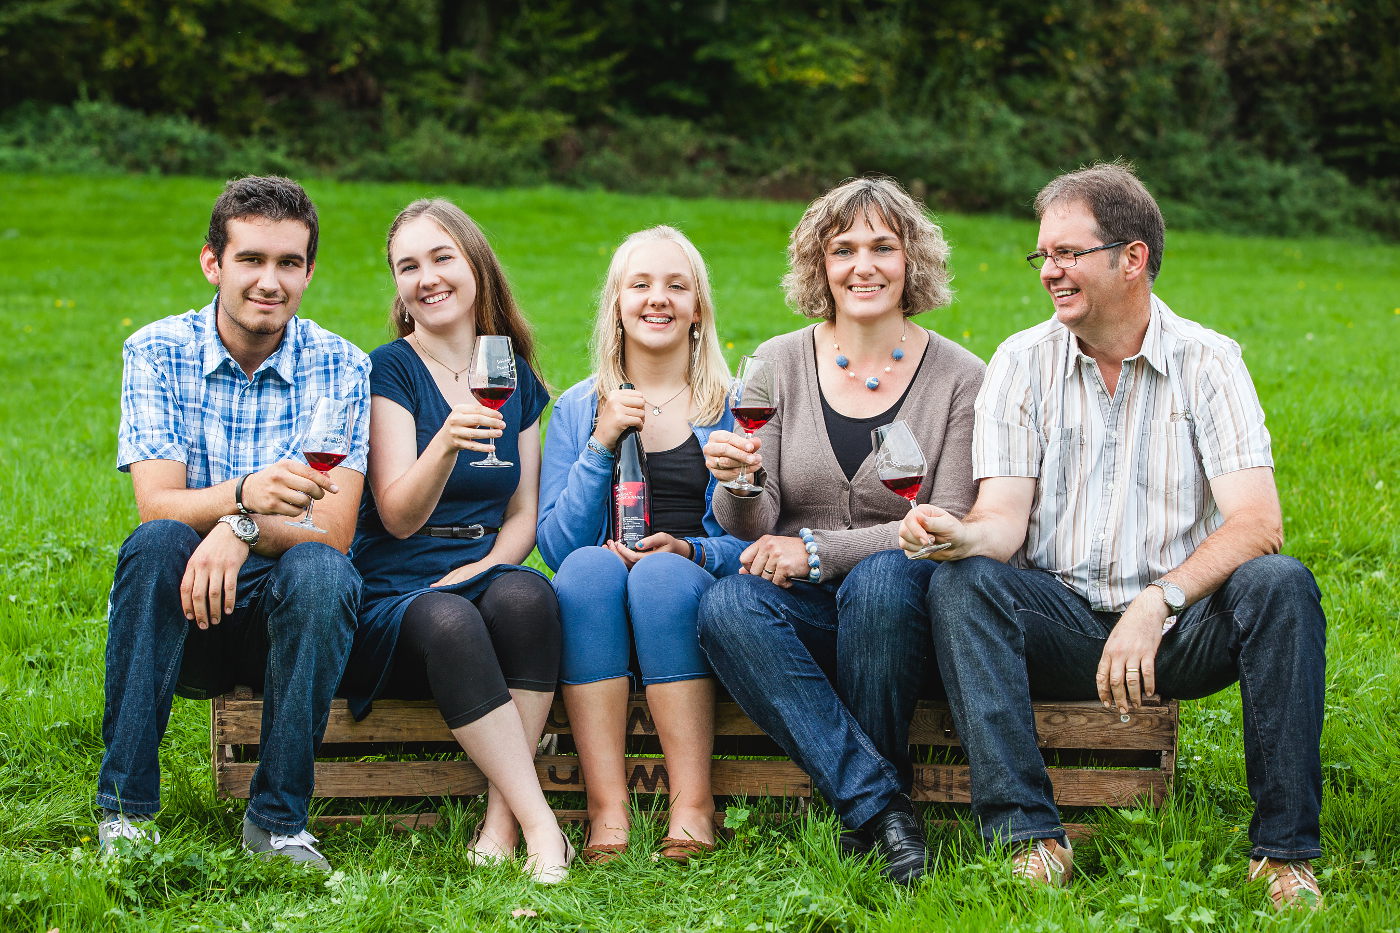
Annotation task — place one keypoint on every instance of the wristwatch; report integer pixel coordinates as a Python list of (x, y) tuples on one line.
[(1173, 595), (244, 527)]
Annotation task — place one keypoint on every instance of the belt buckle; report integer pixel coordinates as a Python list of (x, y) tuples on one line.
[(473, 531)]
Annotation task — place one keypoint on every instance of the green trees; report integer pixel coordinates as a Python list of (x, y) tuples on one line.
[(1257, 114)]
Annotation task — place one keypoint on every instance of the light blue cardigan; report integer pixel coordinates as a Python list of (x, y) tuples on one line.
[(575, 486)]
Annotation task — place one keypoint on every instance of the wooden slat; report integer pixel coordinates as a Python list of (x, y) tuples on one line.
[(556, 773), (1066, 724), (1074, 787)]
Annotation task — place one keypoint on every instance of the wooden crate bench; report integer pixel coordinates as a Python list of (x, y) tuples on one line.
[(1095, 759)]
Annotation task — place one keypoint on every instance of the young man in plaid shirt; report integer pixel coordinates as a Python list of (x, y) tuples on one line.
[(215, 587)]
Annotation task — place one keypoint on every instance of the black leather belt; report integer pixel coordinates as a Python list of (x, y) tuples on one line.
[(456, 531)]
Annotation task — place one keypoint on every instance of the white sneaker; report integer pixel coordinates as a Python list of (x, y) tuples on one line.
[(118, 826), (299, 847)]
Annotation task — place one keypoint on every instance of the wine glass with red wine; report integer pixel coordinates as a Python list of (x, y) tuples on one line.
[(325, 443), (753, 399), (492, 380), (901, 467)]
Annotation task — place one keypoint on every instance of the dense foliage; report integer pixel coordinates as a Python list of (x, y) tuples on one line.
[(1262, 115)]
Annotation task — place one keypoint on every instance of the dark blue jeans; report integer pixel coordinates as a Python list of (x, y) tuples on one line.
[(289, 633), (832, 673), (1005, 635)]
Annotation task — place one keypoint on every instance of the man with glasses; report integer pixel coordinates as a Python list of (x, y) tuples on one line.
[(1124, 542)]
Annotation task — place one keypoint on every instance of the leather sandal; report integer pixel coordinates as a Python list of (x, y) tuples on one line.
[(603, 852), (682, 850), (1291, 883)]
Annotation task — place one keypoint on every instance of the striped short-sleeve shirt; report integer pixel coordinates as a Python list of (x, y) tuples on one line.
[(185, 399), (1123, 492)]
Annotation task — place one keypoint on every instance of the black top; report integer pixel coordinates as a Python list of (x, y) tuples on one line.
[(850, 437), (678, 480)]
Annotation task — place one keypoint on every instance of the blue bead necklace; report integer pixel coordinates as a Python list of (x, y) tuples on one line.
[(871, 382)]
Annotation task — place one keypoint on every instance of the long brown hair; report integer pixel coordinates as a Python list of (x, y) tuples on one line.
[(495, 310)]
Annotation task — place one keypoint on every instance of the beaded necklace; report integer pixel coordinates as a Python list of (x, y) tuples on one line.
[(871, 382)]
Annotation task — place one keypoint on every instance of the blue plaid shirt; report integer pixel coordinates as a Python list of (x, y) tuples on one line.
[(185, 399)]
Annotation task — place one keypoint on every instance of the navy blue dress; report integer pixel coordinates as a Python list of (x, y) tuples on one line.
[(395, 570)]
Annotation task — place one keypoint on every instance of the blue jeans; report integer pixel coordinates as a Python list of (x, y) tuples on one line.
[(831, 672), (1004, 635), (603, 607), (290, 633)]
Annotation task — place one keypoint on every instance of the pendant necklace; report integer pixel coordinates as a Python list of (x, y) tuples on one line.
[(656, 409), (872, 382), (456, 373)]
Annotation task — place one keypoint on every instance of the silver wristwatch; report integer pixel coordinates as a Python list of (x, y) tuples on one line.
[(244, 527), (1173, 595)]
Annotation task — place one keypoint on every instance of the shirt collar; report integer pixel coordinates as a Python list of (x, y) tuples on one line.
[(214, 354), (1154, 342)]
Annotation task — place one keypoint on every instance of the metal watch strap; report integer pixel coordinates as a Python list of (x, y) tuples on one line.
[(1169, 588), (235, 524), (238, 495)]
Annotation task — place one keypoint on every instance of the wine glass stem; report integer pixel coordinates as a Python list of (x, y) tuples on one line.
[(309, 504), (744, 467)]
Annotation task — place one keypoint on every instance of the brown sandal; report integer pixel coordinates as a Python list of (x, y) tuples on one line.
[(603, 852), (682, 850)]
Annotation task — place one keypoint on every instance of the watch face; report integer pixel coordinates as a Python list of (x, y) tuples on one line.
[(246, 526)]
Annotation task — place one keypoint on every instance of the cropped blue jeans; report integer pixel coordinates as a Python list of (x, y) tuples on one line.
[(290, 633), (604, 609), (1004, 635), (831, 671)]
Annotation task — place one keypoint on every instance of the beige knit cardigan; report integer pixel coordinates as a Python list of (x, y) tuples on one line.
[(804, 485)]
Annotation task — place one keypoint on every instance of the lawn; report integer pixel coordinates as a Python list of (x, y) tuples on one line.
[(87, 261)]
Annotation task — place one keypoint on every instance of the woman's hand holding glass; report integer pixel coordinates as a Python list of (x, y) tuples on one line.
[(726, 453), (780, 559), (470, 426)]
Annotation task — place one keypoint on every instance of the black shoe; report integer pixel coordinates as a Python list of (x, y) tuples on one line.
[(853, 843), (899, 840)]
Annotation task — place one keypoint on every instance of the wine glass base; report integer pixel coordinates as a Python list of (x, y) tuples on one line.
[(735, 485), (928, 551), (491, 462), (307, 524)]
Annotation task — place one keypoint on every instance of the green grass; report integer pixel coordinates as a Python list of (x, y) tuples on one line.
[(87, 261)]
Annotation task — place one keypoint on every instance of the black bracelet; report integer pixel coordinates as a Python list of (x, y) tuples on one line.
[(238, 495)]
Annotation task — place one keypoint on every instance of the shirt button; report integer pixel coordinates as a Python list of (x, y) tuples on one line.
[(1113, 434), (1109, 487), (1099, 537)]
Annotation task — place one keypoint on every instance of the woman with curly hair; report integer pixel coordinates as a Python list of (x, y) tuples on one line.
[(823, 635)]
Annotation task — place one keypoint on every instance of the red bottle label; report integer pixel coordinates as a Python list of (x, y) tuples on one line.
[(630, 513)]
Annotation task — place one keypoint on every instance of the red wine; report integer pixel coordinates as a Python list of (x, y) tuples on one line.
[(493, 397), (321, 460), (906, 486), (631, 489), (753, 417)]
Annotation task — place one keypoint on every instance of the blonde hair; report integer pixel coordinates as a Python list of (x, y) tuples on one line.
[(495, 310), (706, 371), (927, 282)]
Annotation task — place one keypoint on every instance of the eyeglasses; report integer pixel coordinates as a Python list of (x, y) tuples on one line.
[(1066, 258)]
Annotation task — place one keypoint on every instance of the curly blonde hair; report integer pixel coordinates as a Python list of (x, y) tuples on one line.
[(927, 281), (707, 372)]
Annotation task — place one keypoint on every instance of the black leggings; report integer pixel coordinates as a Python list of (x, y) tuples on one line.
[(467, 655)]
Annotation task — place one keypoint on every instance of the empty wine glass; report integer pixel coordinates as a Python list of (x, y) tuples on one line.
[(492, 380), (753, 398), (325, 443)]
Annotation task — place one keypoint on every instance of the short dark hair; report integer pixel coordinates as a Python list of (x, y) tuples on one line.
[(269, 196), (1120, 203)]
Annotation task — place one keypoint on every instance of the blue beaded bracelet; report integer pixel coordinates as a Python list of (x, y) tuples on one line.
[(599, 449), (814, 560)]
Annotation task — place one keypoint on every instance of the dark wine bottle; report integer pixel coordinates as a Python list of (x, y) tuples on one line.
[(631, 489)]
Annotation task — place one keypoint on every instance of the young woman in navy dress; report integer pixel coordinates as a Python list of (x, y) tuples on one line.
[(447, 610)]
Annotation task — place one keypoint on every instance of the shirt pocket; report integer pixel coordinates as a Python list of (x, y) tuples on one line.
[(1061, 461), (1170, 473)]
